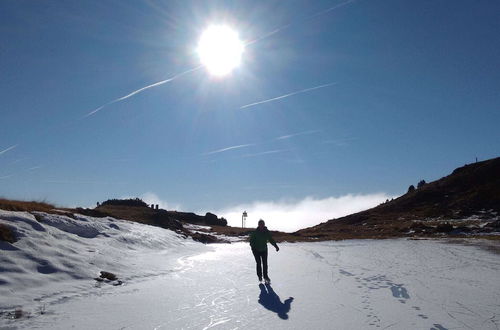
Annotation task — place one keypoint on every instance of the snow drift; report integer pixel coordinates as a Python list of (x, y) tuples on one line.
[(57, 253)]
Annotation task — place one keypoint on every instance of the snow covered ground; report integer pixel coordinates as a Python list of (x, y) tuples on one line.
[(174, 283)]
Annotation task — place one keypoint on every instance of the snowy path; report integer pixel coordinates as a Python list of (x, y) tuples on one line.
[(396, 284)]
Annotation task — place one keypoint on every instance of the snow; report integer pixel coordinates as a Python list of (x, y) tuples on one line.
[(59, 254), (207, 230), (174, 283)]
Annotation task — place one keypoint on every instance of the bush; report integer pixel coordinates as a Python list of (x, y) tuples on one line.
[(211, 219), (126, 202), (421, 183), (411, 188)]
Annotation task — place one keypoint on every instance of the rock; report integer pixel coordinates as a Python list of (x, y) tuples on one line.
[(212, 219), (108, 276), (163, 219), (206, 239)]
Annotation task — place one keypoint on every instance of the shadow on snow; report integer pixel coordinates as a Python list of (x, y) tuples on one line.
[(271, 301)]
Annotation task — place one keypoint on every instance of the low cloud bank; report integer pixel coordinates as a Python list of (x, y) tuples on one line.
[(290, 216), (152, 198)]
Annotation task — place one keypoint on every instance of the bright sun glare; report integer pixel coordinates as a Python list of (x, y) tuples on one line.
[(220, 49)]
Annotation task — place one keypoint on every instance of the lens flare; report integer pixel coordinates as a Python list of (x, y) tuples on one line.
[(220, 49)]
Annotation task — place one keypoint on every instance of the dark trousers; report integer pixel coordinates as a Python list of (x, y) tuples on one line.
[(261, 260)]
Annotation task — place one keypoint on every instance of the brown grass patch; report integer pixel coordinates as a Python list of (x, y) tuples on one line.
[(6, 234), (25, 206)]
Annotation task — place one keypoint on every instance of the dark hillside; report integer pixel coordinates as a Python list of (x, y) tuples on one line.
[(470, 190)]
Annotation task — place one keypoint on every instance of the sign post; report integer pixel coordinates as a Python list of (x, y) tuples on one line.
[(244, 219)]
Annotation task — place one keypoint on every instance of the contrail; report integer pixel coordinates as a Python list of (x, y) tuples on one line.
[(228, 148), (84, 182), (286, 26), (8, 149), (342, 4), (281, 28), (268, 34), (265, 153), (287, 95), (141, 90), (340, 142), (284, 137)]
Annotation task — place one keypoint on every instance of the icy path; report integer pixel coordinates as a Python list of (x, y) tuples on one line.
[(390, 284)]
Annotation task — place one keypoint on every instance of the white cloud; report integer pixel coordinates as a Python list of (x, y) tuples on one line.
[(152, 198), (289, 216)]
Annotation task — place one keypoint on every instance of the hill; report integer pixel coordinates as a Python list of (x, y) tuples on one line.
[(465, 201), (134, 210)]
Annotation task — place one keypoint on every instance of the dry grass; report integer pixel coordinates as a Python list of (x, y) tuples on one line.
[(6, 234), (26, 206)]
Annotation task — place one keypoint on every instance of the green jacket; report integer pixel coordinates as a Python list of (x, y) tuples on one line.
[(259, 239)]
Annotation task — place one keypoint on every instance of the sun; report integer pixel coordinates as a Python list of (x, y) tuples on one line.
[(220, 49)]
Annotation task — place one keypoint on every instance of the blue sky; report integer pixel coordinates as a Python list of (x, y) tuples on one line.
[(414, 94)]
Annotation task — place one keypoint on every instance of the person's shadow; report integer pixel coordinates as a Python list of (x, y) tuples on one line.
[(270, 300)]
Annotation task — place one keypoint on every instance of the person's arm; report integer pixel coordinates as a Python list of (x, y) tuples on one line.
[(252, 240), (272, 241)]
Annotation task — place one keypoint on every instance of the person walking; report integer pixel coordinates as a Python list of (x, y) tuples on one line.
[(258, 243)]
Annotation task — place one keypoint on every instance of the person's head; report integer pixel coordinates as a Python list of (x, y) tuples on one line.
[(262, 224)]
